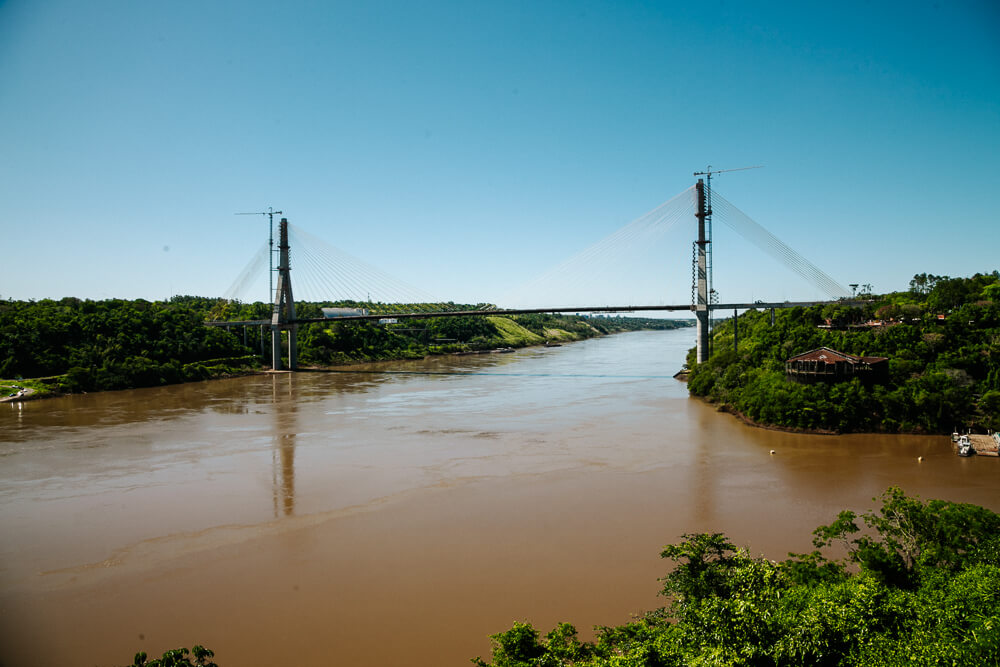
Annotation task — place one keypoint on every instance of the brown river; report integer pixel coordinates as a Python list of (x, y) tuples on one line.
[(400, 513)]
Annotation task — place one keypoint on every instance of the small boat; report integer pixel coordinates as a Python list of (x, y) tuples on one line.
[(965, 446)]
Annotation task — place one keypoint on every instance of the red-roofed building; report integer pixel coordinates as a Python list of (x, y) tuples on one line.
[(826, 365)]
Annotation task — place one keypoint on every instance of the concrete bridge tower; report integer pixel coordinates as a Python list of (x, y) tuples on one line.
[(283, 313), (702, 305)]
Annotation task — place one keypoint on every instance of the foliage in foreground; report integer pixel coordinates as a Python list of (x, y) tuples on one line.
[(920, 585), (178, 657), (942, 338)]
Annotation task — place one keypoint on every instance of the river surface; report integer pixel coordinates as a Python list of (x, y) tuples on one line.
[(400, 513)]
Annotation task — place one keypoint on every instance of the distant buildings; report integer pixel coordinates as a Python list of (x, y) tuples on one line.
[(826, 365)]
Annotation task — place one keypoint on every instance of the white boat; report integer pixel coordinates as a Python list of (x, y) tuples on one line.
[(965, 446)]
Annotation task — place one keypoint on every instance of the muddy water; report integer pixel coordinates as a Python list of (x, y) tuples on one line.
[(399, 514)]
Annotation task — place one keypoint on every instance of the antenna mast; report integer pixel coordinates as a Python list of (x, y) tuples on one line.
[(270, 213)]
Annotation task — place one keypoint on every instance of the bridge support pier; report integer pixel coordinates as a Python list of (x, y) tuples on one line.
[(284, 307), (736, 331), (277, 347), (702, 335)]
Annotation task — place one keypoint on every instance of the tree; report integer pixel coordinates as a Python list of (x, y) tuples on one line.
[(907, 539), (991, 292), (702, 563), (925, 590), (944, 360), (178, 657), (923, 283), (520, 647)]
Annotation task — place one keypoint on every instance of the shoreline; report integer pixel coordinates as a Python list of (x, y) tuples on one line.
[(34, 395), (30, 394), (680, 376), (749, 421), (728, 409)]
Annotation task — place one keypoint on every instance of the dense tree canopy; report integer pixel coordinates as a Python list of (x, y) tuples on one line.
[(942, 339), (341, 342), (198, 656), (115, 344), (920, 585), (112, 344)]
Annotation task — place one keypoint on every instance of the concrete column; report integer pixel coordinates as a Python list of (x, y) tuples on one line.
[(283, 310), (275, 348), (702, 331), (736, 332)]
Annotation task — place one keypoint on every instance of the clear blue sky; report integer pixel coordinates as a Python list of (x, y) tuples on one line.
[(466, 147)]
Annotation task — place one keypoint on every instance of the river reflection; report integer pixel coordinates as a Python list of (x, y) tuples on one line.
[(283, 454), (439, 498)]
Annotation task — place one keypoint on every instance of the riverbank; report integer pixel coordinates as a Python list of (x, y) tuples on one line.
[(85, 346), (730, 410), (19, 396), (986, 441), (907, 362), (54, 386), (33, 394), (14, 391)]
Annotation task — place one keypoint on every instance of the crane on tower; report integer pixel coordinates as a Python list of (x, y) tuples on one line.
[(708, 172), (270, 213)]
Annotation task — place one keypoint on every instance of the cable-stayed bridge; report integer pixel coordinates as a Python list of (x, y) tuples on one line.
[(324, 269)]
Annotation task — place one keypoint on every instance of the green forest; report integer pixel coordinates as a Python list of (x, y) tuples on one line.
[(942, 339), (76, 345), (332, 343), (919, 585)]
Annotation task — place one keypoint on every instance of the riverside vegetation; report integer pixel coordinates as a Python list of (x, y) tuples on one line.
[(942, 338), (920, 585), (74, 345)]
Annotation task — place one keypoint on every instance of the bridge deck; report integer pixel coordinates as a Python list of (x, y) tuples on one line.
[(530, 311)]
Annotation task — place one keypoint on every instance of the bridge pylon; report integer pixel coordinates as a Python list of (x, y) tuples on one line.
[(283, 311), (702, 305)]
